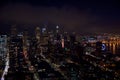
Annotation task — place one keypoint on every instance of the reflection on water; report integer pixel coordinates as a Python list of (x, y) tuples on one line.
[(114, 47)]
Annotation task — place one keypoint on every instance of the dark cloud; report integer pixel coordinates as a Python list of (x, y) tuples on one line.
[(72, 18)]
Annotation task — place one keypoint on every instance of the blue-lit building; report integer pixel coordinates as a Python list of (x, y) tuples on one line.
[(3, 46)]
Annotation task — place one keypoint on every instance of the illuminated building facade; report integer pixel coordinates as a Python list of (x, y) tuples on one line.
[(15, 49), (45, 36), (3, 45), (37, 33), (25, 40)]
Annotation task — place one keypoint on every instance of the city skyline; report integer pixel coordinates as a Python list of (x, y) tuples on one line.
[(58, 55), (59, 40)]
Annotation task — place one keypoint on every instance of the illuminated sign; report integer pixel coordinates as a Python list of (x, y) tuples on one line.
[(103, 47)]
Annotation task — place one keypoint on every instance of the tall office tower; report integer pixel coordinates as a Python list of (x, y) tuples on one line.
[(13, 30), (15, 49), (62, 42), (45, 36), (3, 46), (51, 36), (57, 35), (37, 34), (44, 31), (25, 40), (57, 29)]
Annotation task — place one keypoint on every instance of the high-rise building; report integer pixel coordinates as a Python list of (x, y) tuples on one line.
[(57, 29), (51, 36), (25, 41), (44, 31), (15, 48), (37, 33), (45, 36), (3, 45)]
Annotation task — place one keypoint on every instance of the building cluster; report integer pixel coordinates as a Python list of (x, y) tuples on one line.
[(55, 55)]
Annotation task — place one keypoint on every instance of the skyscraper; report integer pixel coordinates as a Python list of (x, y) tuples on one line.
[(57, 29), (37, 33), (25, 40), (3, 46), (45, 36)]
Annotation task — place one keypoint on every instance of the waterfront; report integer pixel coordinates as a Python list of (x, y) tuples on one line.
[(114, 47)]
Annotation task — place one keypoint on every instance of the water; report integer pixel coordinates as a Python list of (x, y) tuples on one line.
[(114, 47)]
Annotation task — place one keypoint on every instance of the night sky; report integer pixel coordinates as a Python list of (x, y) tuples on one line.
[(74, 15)]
